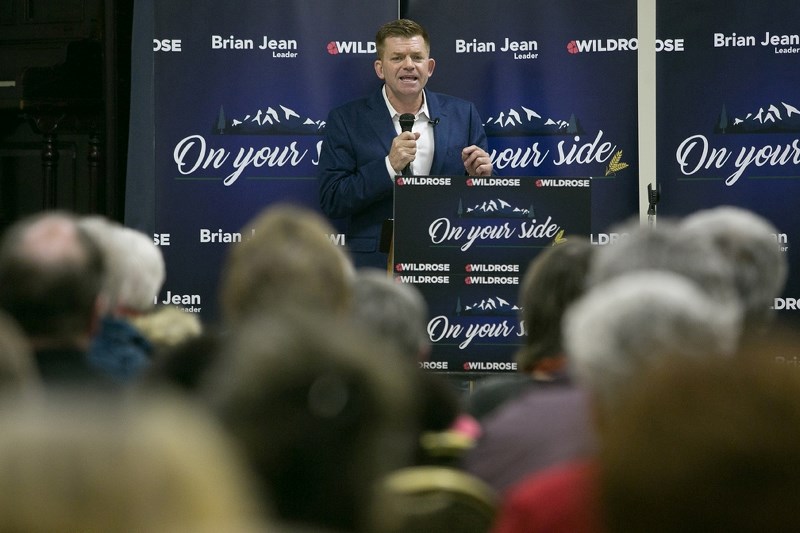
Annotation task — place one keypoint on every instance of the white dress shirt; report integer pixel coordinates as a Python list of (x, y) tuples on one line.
[(421, 166)]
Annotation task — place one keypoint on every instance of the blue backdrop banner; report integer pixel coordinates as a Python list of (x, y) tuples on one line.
[(729, 113)]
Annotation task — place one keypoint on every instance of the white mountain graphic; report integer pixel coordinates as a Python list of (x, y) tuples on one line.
[(493, 305), (270, 120), (497, 208), (773, 118), (526, 121)]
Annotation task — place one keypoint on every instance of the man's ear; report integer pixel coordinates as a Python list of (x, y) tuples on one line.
[(379, 68)]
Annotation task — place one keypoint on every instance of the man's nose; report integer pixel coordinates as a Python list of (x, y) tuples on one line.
[(408, 62)]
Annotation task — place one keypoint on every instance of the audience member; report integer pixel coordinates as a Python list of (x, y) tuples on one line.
[(135, 272), (641, 319), (748, 241), (288, 258), (664, 247), (537, 418), (79, 462), (184, 349), (614, 334), (396, 311), (707, 446), (321, 409), (553, 280), (398, 314), (433, 495), (51, 274)]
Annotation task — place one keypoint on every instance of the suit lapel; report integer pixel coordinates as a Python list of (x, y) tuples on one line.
[(440, 134), (379, 120)]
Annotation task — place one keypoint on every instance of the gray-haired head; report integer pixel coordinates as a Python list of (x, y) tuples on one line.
[(628, 324), (664, 248), (394, 311), (749, 242)]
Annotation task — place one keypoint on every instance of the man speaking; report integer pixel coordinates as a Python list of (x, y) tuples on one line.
[(365, 146)]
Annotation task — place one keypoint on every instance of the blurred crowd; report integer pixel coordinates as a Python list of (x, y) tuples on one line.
[(650, 396)]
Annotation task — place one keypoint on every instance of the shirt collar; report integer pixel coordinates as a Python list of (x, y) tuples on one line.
[(423, 111)]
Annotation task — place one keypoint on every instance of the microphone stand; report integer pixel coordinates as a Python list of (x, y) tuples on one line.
[(653, 196)]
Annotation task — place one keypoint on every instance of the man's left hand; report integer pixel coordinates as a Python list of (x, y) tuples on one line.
[(476, 161)]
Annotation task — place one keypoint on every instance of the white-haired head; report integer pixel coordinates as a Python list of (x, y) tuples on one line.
[(749, 242), (135, 268), (145, 270), (628, 324)]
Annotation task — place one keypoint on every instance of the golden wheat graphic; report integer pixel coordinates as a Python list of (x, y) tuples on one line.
[(615, 164)]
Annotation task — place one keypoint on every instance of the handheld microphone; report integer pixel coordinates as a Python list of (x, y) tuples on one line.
[(406, 123)]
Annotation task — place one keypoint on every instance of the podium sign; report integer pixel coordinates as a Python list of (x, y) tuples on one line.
[(465, 243)]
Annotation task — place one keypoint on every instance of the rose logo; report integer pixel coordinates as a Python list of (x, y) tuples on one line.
[(572, 47)]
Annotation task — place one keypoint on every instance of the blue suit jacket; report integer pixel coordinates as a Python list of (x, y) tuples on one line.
[(353, 181)]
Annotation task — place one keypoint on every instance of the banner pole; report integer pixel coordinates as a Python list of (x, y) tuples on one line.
[(646, 76)]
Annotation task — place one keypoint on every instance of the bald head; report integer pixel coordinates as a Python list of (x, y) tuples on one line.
[(50, 277), (52, 240)]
